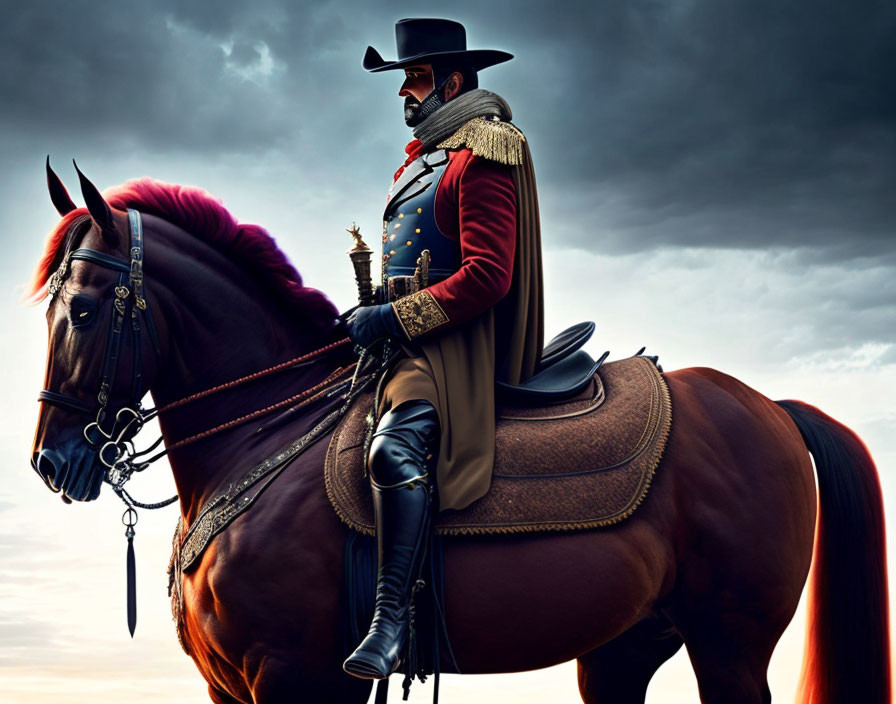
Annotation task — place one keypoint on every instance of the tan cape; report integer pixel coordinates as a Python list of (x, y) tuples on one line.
[(456, 370)]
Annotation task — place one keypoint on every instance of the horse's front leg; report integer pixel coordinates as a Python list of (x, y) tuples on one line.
[(274, 588), (278, 680)]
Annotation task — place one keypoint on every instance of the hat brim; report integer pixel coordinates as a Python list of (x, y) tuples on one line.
[(478, 59)]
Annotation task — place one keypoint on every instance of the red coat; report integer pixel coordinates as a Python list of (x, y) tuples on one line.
[(475, 204)]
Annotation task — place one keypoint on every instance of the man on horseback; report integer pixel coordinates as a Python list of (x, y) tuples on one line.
[(461, 295)]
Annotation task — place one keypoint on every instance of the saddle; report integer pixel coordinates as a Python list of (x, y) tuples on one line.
[(563, 371), (576, 447)]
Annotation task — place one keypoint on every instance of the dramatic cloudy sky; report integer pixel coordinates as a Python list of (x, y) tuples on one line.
[(717, 182)]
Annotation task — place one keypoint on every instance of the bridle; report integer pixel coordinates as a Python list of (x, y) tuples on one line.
[(123, 303), (115, 448), (128, 304)]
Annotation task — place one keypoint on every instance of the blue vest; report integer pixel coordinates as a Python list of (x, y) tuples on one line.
[(409, 222)]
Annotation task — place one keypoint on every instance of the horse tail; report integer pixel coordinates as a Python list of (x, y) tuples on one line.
[(847, 655)]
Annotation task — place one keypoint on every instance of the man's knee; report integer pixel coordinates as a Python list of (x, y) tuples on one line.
[(405, 444)]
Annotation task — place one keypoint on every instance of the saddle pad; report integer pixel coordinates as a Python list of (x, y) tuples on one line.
[(553, 471)]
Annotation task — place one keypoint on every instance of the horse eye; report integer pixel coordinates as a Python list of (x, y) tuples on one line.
[(82, 310)]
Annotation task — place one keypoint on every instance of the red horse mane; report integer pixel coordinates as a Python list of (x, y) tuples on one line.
[(198, 212)]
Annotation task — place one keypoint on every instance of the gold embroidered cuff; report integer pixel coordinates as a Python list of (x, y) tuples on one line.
[(418, 313)]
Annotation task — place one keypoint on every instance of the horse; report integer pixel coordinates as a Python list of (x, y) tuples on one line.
[(715, 558)]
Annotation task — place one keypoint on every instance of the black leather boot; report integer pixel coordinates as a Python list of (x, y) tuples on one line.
[(402, 458)]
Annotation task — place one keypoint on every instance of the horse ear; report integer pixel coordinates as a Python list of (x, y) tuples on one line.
[(58, 194), (98, 208)]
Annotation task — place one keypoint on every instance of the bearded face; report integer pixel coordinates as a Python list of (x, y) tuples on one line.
[(412, 116), (423, 96), (418, 84)]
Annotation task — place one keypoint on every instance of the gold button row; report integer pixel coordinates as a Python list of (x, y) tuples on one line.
[(390, 238)]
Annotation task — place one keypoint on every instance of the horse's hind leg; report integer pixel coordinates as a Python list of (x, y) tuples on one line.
[(618, 672), (730, 649), (731, 632), (730, 672)]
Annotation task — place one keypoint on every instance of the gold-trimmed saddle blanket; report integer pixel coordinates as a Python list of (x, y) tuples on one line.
[(585, 463)]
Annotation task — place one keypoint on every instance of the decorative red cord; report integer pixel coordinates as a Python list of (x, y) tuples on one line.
[(254, 375), (306, 397)]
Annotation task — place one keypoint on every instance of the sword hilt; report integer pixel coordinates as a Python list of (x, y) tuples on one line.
[(360, 255)]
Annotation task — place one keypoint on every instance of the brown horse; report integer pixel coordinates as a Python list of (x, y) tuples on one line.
[(716, 558)]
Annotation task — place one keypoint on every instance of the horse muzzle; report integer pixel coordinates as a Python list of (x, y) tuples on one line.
[(72, 469)]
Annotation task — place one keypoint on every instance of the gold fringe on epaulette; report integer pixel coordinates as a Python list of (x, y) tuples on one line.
[(489, 139)]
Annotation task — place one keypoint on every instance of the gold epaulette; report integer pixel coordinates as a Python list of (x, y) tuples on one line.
[(489, 139)]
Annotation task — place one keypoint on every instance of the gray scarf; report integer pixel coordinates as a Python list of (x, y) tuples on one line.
[(456, 112)]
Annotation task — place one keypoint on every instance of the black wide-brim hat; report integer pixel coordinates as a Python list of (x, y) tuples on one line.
[(424, 41)]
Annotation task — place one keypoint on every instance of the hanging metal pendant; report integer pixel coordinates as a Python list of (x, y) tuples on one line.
[(129, 518)]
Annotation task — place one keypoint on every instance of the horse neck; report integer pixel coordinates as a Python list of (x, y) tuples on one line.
[(219, 324)]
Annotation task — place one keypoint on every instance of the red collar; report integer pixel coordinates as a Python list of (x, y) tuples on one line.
[(413, 149)]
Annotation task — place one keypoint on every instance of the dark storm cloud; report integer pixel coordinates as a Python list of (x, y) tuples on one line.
[(149, 72), (732, 124), (723, 123)]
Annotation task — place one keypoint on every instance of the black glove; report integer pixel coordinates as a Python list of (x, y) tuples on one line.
[(368, 324)]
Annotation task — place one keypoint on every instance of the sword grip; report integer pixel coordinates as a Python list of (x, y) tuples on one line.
[(361, 264), (360, 256)]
